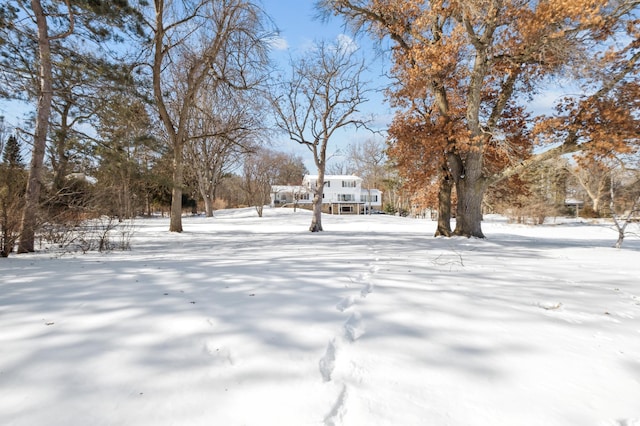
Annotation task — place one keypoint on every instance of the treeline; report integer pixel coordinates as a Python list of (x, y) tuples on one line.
[(144, 107), (139, 107)]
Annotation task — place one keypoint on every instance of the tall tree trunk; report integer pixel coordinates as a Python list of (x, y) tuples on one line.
[(620, 240), (175, 225), (470, 188), (207, 192), (470, 194), (444, 207), (316, 220), (43, 112), (60, 161), (208, 205), (127, 206), (6, 243)]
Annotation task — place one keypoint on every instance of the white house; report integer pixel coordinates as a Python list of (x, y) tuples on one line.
[(343, 194)]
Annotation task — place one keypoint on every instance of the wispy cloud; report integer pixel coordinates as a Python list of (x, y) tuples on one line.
[(346, 43), (279, 43)]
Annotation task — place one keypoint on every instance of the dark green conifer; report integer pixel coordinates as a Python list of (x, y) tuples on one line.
[(13, 180), (11, 155)]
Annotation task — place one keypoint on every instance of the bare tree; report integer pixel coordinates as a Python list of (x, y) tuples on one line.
[(225, 125), (368, 159), (625, 198), (594, 178), (196, 42), (321, 97), (343, 167), (291, 170), (261, 170)]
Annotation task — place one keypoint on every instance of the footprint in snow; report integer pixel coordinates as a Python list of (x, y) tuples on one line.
[(328, 361), (339, 409), (363, 276), (368, 288), (354, 327), (346, 303)]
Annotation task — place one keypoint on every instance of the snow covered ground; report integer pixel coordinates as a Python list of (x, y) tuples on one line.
[(243, 320)]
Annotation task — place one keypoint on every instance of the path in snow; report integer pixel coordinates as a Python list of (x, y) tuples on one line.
[(255, 321), (353, 329)]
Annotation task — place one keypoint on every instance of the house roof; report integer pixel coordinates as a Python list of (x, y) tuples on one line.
[(333, 177), (295, 188)]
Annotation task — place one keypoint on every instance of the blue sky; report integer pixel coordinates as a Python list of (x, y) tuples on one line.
[(295, 19), (299, 28)]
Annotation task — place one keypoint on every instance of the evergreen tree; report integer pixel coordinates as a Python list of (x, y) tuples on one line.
[(13, 179), (53, 24), (11, 155)]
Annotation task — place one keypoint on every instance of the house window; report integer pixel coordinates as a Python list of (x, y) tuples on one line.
[(346, 197), (348, 183), (304, 196), (346, 209), (327, 184)]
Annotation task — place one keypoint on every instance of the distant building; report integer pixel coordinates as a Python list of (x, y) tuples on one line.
[(343, 194), (575, 205)]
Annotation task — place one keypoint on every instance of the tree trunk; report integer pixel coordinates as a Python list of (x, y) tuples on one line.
[(444, 207), (43, 108), (128, 212), (470, 188), (316, 220), (208, 205), (60, 160), (320, 158), (6, 243), (470, 194), (207, 194), (175, 224), (620, 238)]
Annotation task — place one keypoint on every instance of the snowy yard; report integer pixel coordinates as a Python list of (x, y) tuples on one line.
[(243, 320)]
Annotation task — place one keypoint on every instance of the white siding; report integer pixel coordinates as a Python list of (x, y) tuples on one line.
[(338, 189)]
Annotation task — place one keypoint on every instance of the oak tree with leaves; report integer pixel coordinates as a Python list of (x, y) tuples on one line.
[(464, 70)]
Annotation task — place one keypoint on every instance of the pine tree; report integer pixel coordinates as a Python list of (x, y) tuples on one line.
[(50, 25), (13, 181), (11, 155)]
